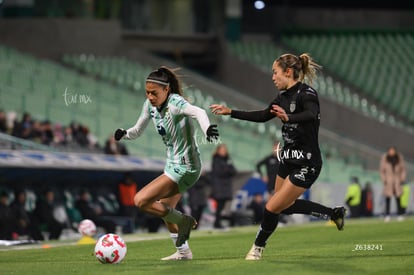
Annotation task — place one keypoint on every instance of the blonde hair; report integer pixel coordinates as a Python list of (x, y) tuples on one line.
[(304, 67), (218, 147)]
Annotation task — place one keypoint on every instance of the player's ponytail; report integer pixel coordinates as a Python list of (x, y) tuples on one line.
[(304, 67), (309, 67), (173, 80)]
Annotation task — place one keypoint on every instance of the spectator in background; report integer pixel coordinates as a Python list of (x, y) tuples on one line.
[(5, 216), (127, 189), (353, 198), (367, 200), (405, 199), (68, 136), (271, 164), (3, 122), (23, 128), (80, 134), (197, 197), (36, 133), (257, 205), (58, 136), (44, 214), (47, 133), (393, 174), (222, 174), (23, 224), (92, 212), (112, 147)]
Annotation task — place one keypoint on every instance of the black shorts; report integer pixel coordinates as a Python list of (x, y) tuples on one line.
[(300, 175)]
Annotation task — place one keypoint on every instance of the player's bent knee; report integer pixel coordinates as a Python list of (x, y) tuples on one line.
[(140, 202)]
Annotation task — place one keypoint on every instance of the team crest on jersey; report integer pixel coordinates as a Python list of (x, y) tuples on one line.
[(161, 130), (292, 106), (167, 113)]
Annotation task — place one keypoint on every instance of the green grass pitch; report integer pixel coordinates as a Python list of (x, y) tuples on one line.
[(366, 246)]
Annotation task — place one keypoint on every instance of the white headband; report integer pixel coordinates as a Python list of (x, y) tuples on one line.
[(157, 81)]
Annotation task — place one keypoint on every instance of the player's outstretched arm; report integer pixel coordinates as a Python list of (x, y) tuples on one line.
[(219, 109), (139, 127), (210, 130), (255, 116)]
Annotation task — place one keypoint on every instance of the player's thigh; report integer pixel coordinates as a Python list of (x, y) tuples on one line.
[(284, 197), (160, 188), (279, 183)]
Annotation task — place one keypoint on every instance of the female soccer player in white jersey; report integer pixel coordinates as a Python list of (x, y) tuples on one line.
[(172, 117)]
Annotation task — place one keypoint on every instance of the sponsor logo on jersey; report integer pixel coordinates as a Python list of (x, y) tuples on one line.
[(301, 174)]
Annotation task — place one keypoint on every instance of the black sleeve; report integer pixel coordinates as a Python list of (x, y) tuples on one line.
[(310, 109), (256, 116)]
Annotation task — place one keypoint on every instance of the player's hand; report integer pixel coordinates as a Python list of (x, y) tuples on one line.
[(219, 109), (212, 133), (279, 112), (119, 133)]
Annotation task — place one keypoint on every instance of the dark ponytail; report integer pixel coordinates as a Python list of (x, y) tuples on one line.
[(166, 77)]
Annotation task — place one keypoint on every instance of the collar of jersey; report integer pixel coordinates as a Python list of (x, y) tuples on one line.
[(293, 88), (165, 103)]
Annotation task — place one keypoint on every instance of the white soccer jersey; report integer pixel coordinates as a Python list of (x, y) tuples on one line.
[(174, 124)]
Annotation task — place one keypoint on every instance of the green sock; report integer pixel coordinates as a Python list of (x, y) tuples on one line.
[(173, 216)]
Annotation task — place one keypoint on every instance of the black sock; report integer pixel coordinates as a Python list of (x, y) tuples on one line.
[(268, 226), (309, 208), (387, 205)]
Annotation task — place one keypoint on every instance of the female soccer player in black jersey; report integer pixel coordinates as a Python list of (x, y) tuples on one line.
[(297, 106)]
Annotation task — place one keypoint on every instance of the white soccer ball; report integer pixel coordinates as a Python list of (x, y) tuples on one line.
[(87, 228), (110, 249)]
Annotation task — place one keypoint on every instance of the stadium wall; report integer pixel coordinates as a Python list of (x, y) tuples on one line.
[(279, 17), (51, 38)]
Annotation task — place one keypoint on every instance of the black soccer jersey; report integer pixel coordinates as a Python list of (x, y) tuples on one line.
[(300, 133)]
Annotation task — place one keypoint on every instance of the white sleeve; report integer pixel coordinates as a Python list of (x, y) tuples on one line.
[(142, 122), (199, 114)]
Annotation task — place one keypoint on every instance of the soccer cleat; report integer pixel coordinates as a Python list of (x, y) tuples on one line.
[(255, 253), (184, 229), (179, 255), (338, 217)]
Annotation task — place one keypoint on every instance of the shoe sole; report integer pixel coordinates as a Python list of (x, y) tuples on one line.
[(176, 259), (252, 259)]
